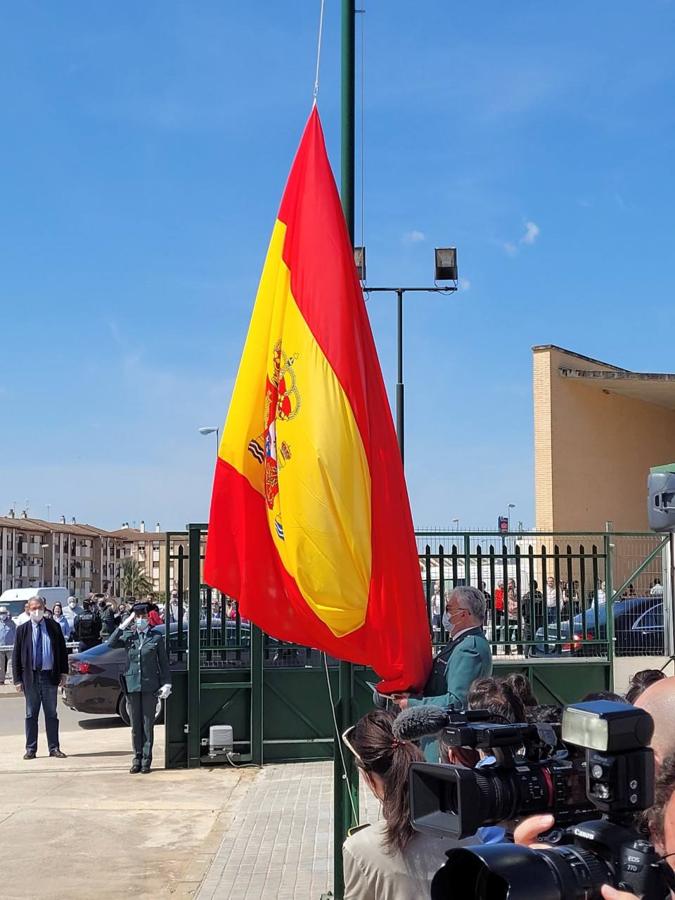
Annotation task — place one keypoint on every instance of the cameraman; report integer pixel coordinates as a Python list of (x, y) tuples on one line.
[(466, 658)]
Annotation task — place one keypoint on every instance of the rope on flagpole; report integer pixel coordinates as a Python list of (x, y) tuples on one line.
[(318, 53)]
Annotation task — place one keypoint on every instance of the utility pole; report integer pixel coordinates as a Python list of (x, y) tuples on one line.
[(345, 790)]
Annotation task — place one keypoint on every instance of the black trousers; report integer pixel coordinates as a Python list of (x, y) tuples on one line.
[(142, 706)]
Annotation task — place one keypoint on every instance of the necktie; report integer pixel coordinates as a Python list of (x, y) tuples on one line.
[(38, 649)]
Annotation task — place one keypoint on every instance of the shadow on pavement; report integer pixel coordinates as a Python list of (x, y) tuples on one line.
[(101, 753), (103, 722)]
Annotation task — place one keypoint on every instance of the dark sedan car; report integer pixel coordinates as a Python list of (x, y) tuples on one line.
[(93, 682), (638, 628)]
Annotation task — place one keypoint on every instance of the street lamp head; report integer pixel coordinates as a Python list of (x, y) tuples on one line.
[(360, 262), (205, 429), (446, 263)]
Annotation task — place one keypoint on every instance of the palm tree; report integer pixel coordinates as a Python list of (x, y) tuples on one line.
[(133, 580)]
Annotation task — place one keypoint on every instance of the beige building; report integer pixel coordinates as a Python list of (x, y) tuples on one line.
[(598, 429), (80, 557), (149, 548)]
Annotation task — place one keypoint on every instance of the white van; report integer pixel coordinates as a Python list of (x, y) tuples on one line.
[(15, 598)]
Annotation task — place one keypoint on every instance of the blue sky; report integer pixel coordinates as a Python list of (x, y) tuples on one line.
[(145, 149)]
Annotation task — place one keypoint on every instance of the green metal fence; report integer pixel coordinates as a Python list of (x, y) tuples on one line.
[(275, 695)]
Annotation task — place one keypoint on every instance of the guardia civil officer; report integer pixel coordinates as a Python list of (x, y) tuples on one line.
[(147, 677)]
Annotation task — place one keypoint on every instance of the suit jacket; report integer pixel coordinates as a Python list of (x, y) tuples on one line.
[(147, 663), (22, 656)]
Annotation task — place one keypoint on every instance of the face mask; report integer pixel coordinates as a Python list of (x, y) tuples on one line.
[(141, 624), (37, 615), (72, 604)]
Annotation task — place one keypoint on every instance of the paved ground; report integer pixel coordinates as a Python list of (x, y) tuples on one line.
[(220, 834), (96, 830)]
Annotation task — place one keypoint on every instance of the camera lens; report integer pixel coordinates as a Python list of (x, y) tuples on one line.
[(501, 871)]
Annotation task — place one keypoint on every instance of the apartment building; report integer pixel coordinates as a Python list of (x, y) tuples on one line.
[(22, 553), (149, 548), (81, 557)]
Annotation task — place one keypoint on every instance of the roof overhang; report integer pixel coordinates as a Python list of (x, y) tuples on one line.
[(646, 387)]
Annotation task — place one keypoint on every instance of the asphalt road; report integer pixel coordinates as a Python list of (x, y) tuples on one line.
[(13, 711)]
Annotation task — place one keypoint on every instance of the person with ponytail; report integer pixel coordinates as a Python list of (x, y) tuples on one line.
[(388, 860)]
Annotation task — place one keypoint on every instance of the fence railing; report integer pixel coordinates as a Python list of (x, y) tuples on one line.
[(548, 596), (553, 595)]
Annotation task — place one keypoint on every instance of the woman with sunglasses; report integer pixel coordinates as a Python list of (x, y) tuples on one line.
[(388, 860)]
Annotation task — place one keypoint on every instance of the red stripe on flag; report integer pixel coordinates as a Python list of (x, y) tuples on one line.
[(271, 598)]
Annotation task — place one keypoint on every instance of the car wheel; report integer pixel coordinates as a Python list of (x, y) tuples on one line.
[(123, 710)]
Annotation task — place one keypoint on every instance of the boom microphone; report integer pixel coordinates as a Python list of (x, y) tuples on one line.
[(420, 721)]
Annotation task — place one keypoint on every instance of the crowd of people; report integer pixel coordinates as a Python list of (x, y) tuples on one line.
[(86, 624), (390, 860), (40, 666)]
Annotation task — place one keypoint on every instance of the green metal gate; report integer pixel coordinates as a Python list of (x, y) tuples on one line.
[(275, 695)]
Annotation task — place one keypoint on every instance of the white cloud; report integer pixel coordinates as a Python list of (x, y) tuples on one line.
[(531, 233), (414, 237)]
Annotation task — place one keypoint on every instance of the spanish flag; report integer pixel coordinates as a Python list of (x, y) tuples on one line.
[(310, 525)]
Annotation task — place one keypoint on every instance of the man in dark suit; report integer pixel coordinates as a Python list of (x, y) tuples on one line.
[(39, 664)]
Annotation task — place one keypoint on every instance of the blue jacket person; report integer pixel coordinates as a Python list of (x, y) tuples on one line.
[(147, 677), (466, 657), (39, 664)]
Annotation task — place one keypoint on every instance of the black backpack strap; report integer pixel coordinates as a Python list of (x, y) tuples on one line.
[(436, 683)]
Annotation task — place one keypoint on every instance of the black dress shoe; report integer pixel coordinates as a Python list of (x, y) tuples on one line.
[(59, 754), (29, 754), (135, 768), (145, 770)]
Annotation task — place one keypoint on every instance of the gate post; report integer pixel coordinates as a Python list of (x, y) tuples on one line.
[(193, 635), (256, 695), (609, 600)]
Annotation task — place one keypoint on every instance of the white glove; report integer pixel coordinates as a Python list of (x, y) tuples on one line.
[(127, 622), (164, 691)]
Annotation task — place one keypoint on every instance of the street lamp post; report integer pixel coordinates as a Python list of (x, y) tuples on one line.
[(400, 389), (207, 429)]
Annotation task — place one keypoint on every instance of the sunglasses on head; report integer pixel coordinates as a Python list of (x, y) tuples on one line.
[(348, 745)]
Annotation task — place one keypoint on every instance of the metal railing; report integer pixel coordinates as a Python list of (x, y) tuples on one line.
[(554, 595)]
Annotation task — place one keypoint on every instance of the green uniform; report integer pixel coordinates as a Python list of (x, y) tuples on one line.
[(147, 670), (463, 660)]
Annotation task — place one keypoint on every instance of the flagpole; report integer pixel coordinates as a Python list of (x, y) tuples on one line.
[(342, 789)]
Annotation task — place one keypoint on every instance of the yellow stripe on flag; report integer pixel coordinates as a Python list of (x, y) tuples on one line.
[(291, 432)]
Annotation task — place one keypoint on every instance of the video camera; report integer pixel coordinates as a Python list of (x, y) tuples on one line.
[(611, 776), (533, 772)]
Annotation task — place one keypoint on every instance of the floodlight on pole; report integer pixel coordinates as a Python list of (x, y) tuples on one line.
[(446, 263), (360, 262), (445, 270)]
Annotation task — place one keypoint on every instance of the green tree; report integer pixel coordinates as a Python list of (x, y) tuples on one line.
[(133, 580)]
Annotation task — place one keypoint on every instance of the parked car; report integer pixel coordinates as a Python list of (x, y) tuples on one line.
[(638, 628), (93, 682)]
